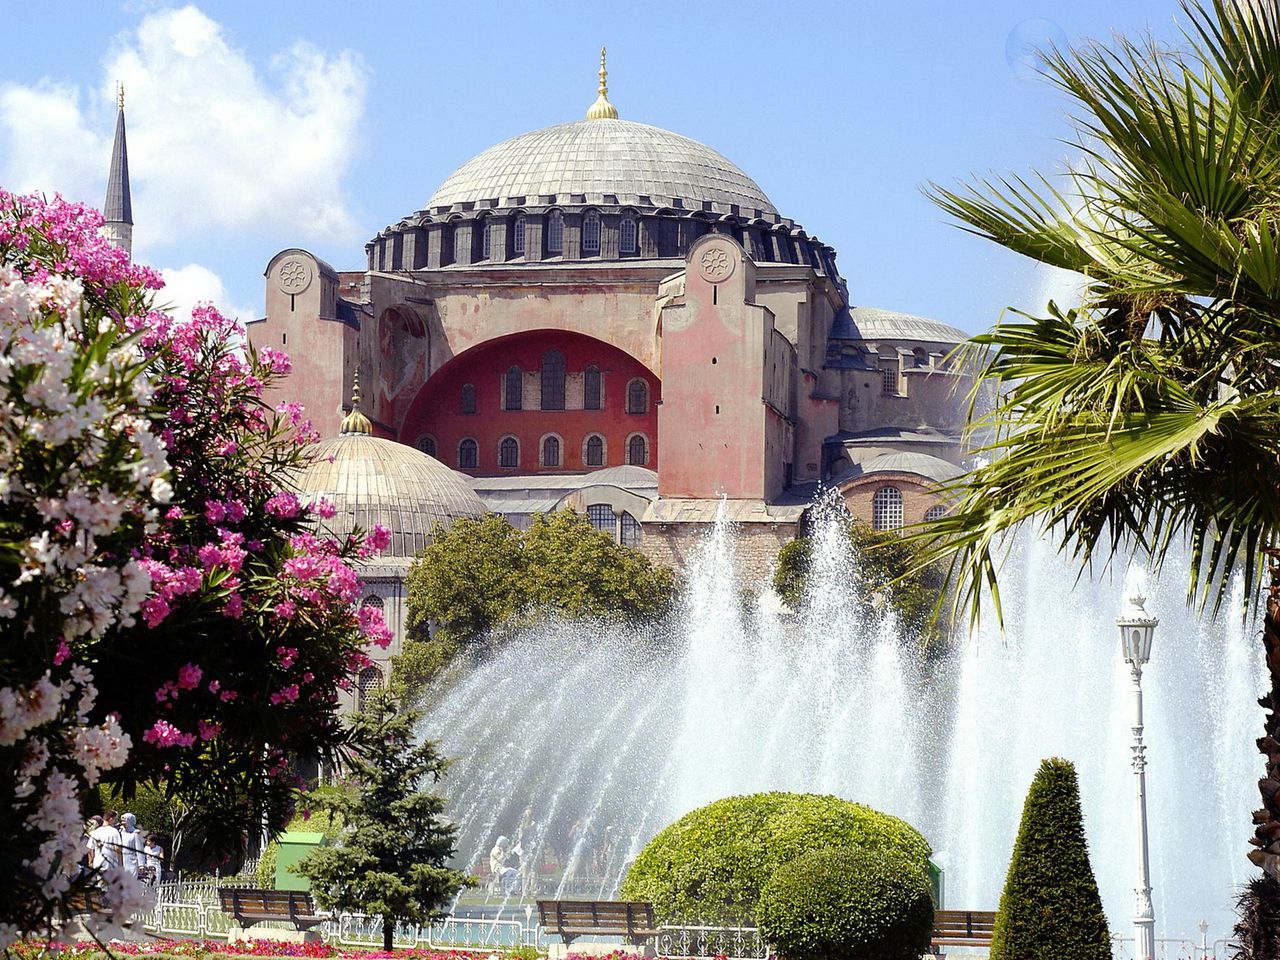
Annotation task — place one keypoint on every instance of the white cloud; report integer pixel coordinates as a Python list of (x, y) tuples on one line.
[(185, 287), (214, 142)]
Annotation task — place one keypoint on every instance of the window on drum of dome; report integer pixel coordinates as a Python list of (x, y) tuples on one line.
[(595, 451), (921, 356), (553, 380), (467, 399), (601, 517), (591, 232), (468, 454), (637, 396), (509, 452), (486, 239), (591, 388), (427, 445), (886, 509), (514, 399), (374, 601), (627, 235), (517, 236), (369, 681), (555, 232), (934, 513), (458, 236), (637, 451), (551, 452)]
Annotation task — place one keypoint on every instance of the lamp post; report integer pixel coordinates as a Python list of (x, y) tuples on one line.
[(1137, 628)]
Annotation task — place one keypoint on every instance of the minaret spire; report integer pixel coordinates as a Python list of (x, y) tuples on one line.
[(118, 208), (602, 109)]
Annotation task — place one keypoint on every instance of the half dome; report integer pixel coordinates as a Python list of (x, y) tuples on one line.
[(596, 159), (873, 323), (375, 481)]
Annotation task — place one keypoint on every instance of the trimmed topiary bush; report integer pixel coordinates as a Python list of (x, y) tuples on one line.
[(712, 863), (1050, 908), (847, 904)]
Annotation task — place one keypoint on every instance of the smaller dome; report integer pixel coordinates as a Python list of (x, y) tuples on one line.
[(624, 475), (922, 464), (872, 323), (375, 481)]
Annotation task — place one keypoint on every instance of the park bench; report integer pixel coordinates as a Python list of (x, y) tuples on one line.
[(570, 919), (963, 928), (249, 906)]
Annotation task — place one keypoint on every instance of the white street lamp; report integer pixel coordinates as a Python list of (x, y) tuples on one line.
[(1137, 628)]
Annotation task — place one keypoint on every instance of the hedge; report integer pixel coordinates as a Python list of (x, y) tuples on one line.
[(1050, 908), (712, 863), (847, 904)]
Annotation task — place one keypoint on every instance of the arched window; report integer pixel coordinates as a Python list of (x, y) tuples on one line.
[(553, 380), (886, 509), (889, 377), (627, 234), (555, 232), (427, 444), (601, 517), (631, 531), (514, 399), (468, 454), (637, 396), (591, 388), (486, 238), (935, 513), (594, 453), (550, 451), (591, 232), (637, 451), (921, 356), (369, 682), (517, 236), (509, 452), (374, 601), (467, 399)]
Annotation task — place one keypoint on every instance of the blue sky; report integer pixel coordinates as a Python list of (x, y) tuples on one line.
[(259, 126)]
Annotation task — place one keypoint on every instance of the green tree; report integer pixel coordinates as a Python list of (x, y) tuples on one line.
[(483, 576), (889, 570), (1050, 908), (390, 859), (1152, 412)]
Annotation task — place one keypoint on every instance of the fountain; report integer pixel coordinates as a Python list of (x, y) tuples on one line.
[(606, 734)]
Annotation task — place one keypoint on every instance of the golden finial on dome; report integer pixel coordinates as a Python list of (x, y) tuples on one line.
[(602, 109), (355, 421)]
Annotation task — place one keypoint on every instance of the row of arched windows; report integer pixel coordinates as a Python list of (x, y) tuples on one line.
[(622, 527), (553, 237), (552, 394), (550, 451)]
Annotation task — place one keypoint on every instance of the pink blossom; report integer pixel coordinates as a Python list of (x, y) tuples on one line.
[(189, 676), (164, 734), (234, 607), (214, 511), (63, 652), (380, 538), (323, 508), (286, 609), (287, 656), (283, 505), (287, 694), (208, 730)]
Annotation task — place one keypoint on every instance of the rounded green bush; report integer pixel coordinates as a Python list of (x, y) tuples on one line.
[(712, 863), (847, 904)]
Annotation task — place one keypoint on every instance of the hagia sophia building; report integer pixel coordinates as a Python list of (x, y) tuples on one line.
[(607, 316)]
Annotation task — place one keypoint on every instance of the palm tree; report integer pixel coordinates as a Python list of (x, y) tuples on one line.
[(1151, 413)]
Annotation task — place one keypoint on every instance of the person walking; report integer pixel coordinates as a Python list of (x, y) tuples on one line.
[(153, 870), (131, 844), (107, 843)]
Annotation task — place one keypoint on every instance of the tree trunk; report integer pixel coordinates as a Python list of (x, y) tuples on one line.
[(388, 929), (1259, 904)]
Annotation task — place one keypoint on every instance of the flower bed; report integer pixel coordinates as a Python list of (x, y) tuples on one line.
[(164, 949)]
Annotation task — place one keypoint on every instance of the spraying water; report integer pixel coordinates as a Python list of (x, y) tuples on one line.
[(581, 741)]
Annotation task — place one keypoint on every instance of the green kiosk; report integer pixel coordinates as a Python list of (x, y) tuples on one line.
[(293, 846)]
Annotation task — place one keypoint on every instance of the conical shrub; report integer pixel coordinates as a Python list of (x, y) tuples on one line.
[(1050, 908)]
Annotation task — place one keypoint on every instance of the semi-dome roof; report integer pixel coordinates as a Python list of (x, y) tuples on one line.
[(375, 481), (599, 158), (921, 464)]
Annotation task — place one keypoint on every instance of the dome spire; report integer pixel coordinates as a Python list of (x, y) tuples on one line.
[(355, 421), (602, 109)]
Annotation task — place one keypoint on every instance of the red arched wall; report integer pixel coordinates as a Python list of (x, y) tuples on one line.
[(436, 410)]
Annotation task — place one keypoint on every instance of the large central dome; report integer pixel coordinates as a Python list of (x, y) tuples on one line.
[(599, 159)]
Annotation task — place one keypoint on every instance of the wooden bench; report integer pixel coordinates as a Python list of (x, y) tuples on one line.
[(963, 928), (570, 919), (249, 906)]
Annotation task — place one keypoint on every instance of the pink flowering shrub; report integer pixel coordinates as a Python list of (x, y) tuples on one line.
[(164, 596)]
